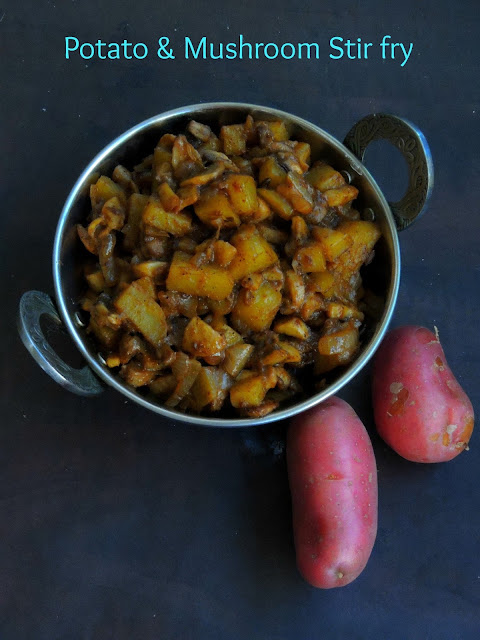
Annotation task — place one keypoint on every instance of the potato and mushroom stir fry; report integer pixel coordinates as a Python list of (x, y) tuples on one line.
[(223, 266)]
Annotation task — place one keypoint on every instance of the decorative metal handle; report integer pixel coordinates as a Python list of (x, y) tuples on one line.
[(412, 144), (34, 305)]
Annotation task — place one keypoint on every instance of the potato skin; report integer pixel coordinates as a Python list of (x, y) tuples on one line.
[(420, 409), (333, 484)]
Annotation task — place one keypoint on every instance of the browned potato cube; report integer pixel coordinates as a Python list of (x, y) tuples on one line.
[(277, 128), (271, 170), (224, 253), (324, 283), (104, 189), (251, 391), (298, 192), (205, 280), (201, 341), (341, 196), (242, 192), (323, 177), (154, 269), (363, 235), (178, 224), (236, 358), (337, 348), (277, 203), (256, 310), (333, 241), (139, 308), (214, 209), (254, 254), (234, 139), (311, 258)]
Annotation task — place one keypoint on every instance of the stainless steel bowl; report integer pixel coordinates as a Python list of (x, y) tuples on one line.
[(129, 148)]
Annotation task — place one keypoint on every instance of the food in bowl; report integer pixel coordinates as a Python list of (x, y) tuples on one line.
[(224, 270)]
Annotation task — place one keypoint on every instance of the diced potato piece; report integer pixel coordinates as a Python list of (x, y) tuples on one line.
[(224, 253), (96, 281), (302, 151), (154, 269), (242, 192), (256, 310), (168, 198), (205, 280), (277, 128), (234, 139), (363, 235), (323, 177), (277, 203), (324, 283), (270, 170), (294, 327), (230, 335), (254, 254), (311, 258), (333, 241), (343, 311), (136, 205), (178, 224), (298, 192), (236, 358), (336, 348), (163, 384), (104, 189), (210, 387), (139, 308), (341, 196), (251, 391), (215, 209), (147, 286), (202, 341)]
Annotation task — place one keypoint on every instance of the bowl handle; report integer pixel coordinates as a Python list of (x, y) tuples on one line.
[(412, 144), (34, 305)]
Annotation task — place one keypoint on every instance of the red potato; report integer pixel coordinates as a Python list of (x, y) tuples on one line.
[(421, 411), (333, 483)]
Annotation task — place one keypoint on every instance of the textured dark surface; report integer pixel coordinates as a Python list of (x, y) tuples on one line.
[(116, 524)]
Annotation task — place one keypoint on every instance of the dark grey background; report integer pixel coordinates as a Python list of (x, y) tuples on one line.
[(117, 524)]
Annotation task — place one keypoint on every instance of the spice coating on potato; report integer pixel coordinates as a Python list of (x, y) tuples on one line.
[(333, 484), (421, 411)]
